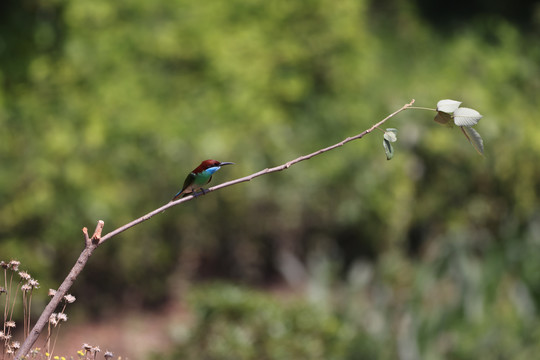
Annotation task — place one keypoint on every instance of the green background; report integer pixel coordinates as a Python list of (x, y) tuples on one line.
[(106, 106)]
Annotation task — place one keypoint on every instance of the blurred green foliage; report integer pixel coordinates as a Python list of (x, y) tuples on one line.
[(234, 323), (367, 320), (106, 106)]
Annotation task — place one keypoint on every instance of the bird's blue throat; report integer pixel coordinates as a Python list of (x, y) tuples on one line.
[(212, 170)]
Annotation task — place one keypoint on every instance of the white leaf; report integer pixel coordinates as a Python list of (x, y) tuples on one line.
[(391, 135), (466, 117), (448, 106), (474, 138), (388, 149)]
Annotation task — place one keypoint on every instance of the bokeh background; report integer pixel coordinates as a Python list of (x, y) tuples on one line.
[(105, 106)]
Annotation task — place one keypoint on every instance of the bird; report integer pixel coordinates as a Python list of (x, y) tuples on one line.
[(199, 177)]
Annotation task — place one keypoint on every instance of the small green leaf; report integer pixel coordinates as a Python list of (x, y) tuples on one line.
[(391, 135), (444, 118), (388, 149), (474, 138), (466, 117), (448, 106)]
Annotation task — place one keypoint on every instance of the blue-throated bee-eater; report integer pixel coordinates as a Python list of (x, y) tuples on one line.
[(199, 177)]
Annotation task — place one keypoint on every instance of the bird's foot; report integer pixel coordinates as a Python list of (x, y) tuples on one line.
[(202, 192)]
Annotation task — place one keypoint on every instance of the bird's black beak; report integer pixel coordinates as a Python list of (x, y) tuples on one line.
[(226, 163)]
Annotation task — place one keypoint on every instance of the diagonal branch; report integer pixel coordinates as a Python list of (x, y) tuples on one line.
[(252, 176), (92, 243)]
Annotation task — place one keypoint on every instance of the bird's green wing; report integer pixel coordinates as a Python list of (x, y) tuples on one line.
[(189, 180)]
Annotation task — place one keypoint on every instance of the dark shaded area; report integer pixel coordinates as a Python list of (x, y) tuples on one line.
[(450, 16), (28, 28), (459, 13)]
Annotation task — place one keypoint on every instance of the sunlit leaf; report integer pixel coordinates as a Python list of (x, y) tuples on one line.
[(388, 149), (448, 106), (444, 118), (391, 135), (466, 117), (474, 138)]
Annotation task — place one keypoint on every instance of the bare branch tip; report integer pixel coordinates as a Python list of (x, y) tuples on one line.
[(97, 233), (86, 237)]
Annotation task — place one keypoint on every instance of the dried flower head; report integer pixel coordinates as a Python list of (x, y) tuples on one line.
[(24, 275), (52, 292), (96, 349), (53, 319), (87, 347), (62, 317), (10, 324), (14, 265), (108, 355), (69, 298), (2, 290), (3, 264), (4, 336), (33, 283), (26, 288), (15, 345)]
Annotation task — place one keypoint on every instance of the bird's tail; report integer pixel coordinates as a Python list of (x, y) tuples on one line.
[(178, 195)]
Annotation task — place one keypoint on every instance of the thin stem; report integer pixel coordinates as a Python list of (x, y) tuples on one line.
[(7, 316), (25, 313), (6, 301), (28, 317), (48, 340), (421, 108), (6, 297), (14, 302), (54, 342)]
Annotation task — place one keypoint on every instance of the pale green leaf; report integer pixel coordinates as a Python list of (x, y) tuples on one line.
[(448, 106), (466, 117), (474, 138), (388, 149), (391, 135)]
